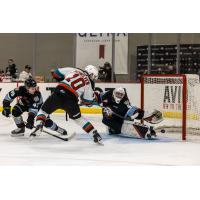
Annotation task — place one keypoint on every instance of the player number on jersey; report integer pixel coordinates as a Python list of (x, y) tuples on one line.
[(77, 81)]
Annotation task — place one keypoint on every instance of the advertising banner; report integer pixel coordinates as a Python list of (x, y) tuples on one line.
[(96, 49)]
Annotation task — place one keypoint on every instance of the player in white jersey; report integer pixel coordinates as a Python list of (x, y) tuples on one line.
[(73, 84)]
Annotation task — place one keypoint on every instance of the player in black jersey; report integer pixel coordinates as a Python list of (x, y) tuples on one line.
[(116, 102), (29, 100), (118, 112)]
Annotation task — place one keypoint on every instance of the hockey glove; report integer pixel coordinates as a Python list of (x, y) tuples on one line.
[(134, 113), (29, 125), (30, 120), (107, 112), (6, 111)]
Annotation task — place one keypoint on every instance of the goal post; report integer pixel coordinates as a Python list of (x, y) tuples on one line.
[(176, 96)]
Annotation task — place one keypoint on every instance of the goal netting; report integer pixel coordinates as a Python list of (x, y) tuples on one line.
[(178, 98)]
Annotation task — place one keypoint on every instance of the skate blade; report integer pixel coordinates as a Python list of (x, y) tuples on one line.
[(69, 137), (99, 143), (34, 135), (31, 137), (17, 135)]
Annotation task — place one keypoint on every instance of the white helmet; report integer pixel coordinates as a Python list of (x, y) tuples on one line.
[(118, 94), (92, 71)]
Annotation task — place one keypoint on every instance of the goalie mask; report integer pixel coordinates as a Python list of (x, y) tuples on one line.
[(92, 71), (118, 94)]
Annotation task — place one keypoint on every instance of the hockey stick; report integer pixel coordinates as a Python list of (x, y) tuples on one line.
[(33, 134), (145, 119), (61, 138)]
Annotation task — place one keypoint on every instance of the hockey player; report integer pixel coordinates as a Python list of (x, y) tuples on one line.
[(117, 109), (29, 100), (73, 84)]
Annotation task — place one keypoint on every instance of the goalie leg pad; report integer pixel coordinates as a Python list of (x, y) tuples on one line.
[(141, 130), (137, 130)]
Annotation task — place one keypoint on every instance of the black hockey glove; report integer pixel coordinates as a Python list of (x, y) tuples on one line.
[(30, 120), (29, 125), (6, 111)]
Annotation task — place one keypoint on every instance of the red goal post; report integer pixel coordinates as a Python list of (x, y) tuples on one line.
[(166, 79)]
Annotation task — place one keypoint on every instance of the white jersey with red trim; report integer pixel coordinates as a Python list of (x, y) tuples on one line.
[(65, 70), (78, 83)]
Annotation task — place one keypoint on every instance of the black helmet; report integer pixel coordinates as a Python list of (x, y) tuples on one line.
[(30, 83)]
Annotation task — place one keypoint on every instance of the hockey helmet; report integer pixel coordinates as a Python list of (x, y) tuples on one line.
[(118, 94), (92, 71), (30, 83)]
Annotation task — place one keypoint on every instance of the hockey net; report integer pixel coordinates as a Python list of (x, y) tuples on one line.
[(178, 98)]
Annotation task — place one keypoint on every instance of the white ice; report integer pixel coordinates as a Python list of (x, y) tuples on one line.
[(46, 150)]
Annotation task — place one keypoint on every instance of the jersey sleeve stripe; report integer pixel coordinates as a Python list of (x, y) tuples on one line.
[(8, 98), (57, 74), (87, 102), (41, 117)]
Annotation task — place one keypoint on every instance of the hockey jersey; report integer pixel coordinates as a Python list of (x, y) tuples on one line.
[(76, 81), (123, 108), (32, 101), (119, 108)]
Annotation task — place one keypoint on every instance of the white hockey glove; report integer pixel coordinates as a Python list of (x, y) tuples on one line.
[(107, 112)]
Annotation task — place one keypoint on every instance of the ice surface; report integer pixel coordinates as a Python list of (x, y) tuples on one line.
[(46, 150)]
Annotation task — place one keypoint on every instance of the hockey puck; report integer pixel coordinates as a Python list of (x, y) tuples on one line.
[(162, 130)]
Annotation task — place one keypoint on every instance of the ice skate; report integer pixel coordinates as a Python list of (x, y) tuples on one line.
[(152, 134), (18, 132), (62, 131), (97, 138)]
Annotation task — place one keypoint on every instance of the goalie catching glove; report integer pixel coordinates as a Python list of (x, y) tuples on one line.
[(154, 117)]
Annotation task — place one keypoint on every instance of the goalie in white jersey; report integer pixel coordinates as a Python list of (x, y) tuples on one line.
[(73, 84)]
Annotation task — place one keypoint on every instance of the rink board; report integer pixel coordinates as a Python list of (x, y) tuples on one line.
[(133, 90)]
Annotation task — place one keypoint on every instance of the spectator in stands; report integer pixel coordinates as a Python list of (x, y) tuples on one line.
[(11, 70), (171, 69), (26, 74), (1, 75), (105, 72), (161, 70)]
